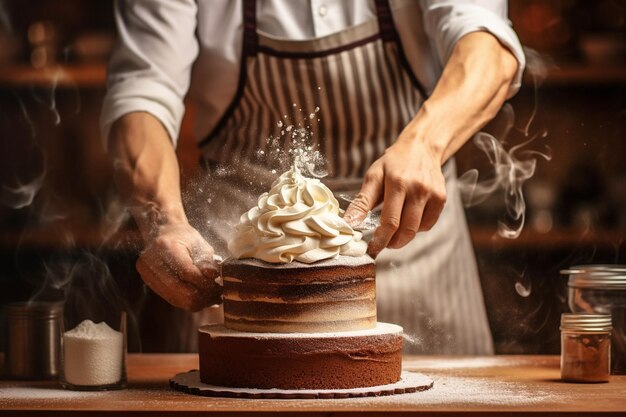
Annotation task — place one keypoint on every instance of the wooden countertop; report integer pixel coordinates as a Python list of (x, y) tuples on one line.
[(500, 385)]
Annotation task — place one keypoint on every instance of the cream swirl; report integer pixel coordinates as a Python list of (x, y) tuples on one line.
[(298, 219)]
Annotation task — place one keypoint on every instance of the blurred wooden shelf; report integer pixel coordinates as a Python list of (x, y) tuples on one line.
[(65, 76), (586, 74), (482, 237), (89, 238), (485, 238), (94, 75)]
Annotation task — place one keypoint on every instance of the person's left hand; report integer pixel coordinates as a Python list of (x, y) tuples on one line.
[(179, 265), (409, 181)]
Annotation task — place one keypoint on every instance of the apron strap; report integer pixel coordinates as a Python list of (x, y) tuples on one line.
[(386, 26), (249, 48), (250, 37), (388, 33)]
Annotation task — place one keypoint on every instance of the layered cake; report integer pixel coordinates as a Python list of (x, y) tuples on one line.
[(299, 300), (362, 358), (326, 296)]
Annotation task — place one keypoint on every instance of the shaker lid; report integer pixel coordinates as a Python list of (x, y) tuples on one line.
[(586, 322), (600, 276)]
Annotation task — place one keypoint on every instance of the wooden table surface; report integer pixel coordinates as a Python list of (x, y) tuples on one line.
[(505, 385)]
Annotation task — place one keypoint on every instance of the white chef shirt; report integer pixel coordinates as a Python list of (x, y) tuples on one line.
[(167, 47)]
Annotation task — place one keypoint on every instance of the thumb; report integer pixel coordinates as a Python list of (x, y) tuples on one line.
[(366, 199), (211, 270), (209, 263), (208, 268)]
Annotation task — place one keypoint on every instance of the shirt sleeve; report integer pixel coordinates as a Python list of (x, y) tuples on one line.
[(150, 68), (447, 21)]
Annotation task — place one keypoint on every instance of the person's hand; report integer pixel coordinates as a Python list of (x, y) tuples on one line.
[(409, 181), (178, 265)]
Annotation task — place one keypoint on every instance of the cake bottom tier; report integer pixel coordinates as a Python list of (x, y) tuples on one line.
[(354, 359)]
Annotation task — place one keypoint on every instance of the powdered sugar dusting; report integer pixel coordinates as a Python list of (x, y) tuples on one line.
[(449, 392), (453, 391), (467, 363), (34, 393), (217, 330), (340, 260)]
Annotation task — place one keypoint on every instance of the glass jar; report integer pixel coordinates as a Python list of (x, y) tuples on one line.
[(585, 347), (94, 352), (601, 289)]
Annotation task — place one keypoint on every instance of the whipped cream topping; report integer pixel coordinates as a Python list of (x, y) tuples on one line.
[(297, 220)]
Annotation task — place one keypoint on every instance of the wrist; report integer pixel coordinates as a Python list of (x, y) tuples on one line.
[(151, 217), (424, 135)]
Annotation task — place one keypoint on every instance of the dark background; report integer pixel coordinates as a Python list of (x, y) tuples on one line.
[(52, 75)]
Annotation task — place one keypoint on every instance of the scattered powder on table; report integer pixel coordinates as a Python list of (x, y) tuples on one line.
[(479, 391), (448, 393), (9, 395), (453, 391), (92, 354), (463, 363)]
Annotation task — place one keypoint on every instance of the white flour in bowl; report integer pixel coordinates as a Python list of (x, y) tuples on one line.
[(93, 354)]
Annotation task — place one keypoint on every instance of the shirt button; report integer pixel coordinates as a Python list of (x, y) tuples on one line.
[(323, 10)]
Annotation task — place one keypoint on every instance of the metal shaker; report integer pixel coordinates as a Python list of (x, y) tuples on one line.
[(33, 340)]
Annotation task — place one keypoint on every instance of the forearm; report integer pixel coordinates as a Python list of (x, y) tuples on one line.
[(146, 171), (471, 90)]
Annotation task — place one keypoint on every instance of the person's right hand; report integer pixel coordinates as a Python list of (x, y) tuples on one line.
[(178, 265)]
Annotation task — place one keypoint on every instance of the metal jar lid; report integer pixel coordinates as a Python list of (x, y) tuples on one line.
[(601, 276), (586, 322)]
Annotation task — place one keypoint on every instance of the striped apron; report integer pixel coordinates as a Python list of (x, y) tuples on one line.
[(354, 90)]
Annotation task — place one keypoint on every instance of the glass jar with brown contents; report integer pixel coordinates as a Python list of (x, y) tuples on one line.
[(601, 289), (585, 347)]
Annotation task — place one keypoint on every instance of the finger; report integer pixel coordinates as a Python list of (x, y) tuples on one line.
[(207, 291), (200, 251), (432, 211), (204, 258), (209, 270), (172, 290), (211, 273), (182, 264), (172, 257), (366, 199), (395, 194), (412, 214)]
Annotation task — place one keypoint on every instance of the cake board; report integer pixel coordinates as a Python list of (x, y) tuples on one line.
[(190, 383)]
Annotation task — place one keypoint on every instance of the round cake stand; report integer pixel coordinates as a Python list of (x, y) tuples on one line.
[(190, 383)]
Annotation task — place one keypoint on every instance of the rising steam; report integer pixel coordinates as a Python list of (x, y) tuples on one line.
[(21, 195), (5, 21), (20, 192), (511, 167), (75, 271), (49, 100)]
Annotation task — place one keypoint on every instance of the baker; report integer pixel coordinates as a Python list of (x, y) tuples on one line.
[(390, 89)]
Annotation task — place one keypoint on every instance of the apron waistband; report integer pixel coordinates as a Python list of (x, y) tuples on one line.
[(387, 28)]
